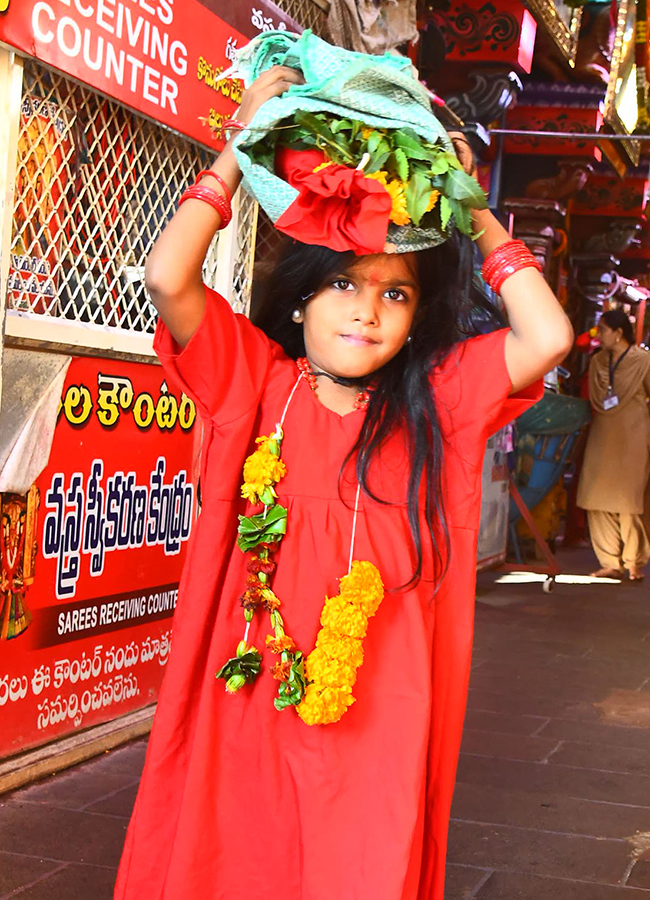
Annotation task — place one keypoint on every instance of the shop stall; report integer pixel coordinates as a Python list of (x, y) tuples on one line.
[(109, 109)]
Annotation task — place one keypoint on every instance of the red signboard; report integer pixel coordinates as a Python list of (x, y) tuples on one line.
[(92, 555), (160, 57)]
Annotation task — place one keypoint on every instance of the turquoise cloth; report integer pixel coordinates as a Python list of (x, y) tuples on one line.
[(380, 91)]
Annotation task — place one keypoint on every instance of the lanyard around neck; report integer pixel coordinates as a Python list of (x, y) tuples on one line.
[(613, 368)]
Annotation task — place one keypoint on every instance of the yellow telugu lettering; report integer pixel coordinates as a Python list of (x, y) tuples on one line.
[(143, 410), (116, 395), (229, 87), (77, 404)]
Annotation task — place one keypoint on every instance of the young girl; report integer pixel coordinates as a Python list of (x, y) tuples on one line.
[(373, 444)]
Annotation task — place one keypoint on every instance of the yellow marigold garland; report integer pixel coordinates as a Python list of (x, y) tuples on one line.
[(331, 668), (320, 687), (262, 470)]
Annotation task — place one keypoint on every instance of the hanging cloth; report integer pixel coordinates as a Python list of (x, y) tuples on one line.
[(372, 27)]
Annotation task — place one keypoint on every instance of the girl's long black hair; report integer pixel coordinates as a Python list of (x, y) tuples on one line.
[(402, 397)]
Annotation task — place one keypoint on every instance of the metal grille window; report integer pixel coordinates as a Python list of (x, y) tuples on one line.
[(310, 13), (95, 184)]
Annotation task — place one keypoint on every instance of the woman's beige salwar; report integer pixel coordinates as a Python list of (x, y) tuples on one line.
[(617, 460)]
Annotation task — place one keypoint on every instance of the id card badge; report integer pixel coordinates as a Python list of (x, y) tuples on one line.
[(610, 401)]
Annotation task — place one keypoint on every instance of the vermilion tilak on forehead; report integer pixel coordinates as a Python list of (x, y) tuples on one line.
[(374, 277)]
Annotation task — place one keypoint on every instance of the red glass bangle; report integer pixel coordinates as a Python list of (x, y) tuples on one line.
[(504, 261), (205, 172), (502, 253), (212, 198), (518, 259), (508, 269)]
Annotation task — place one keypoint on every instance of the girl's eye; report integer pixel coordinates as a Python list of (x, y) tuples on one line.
[(342, 284), (396, 294)]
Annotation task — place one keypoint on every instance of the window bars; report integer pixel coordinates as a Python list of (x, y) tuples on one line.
[(310, 13), (95, 184)]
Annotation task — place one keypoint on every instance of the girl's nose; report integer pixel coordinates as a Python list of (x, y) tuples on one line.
[(365, 308)]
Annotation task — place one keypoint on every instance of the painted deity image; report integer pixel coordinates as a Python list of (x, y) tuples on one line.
[(18, 517)]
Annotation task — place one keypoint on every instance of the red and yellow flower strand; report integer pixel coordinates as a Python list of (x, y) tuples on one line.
[(320, 687)]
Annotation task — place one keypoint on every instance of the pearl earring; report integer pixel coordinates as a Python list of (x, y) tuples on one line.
[(296, 315), (409, 339)]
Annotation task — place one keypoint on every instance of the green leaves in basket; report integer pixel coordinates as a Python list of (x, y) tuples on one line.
[(401, 164), (461, 186), (445, 212), (413, 147), (337, 146), (418, 192), (422, 166)]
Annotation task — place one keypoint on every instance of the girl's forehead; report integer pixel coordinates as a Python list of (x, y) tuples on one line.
[(381, 267)]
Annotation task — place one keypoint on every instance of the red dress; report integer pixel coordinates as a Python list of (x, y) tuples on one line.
[(239, 801)]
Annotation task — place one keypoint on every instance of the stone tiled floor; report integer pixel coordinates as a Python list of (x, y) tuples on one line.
[(61, 839), (553, 790)]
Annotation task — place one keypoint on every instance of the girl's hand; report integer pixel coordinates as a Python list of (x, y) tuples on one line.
[(173, 271), (463, 152), (271, 83)]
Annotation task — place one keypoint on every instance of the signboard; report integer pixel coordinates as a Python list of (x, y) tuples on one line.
[(162, 58), (91, 557)]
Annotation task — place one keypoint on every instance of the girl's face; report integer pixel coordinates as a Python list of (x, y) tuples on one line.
[(608, 337), (362, 317)]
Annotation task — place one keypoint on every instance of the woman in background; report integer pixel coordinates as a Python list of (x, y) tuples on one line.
[(617, 458)]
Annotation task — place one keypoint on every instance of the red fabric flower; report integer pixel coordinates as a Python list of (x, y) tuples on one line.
[(337, 207)]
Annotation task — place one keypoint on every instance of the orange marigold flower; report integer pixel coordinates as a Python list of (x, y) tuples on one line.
[(322, 707), (397, 191), (271, 602), (363, 587), (325, 670), (262, 467), (281, 670), (398, 214), (251, 598), (341, 616), (262, 470), (279, 645), (268, 443), (340, 646), (256, 564), (252, 491)]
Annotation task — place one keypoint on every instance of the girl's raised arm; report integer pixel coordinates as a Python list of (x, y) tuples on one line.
[(173, 268), (541, 333)]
